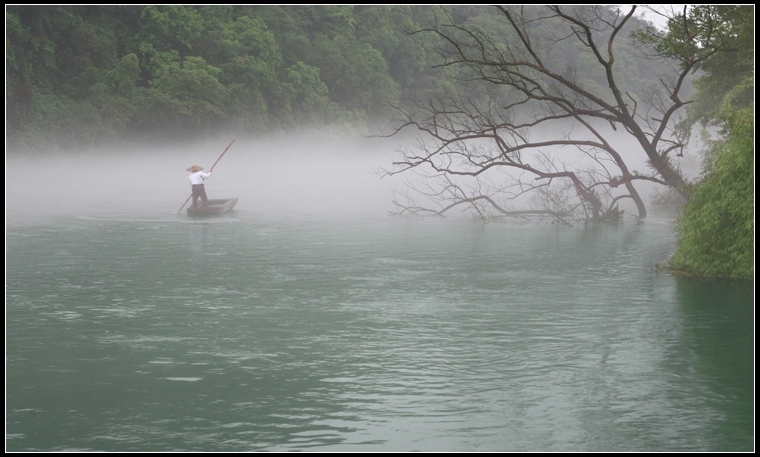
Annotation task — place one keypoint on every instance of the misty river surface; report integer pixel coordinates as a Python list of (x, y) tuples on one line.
[(281, 332)]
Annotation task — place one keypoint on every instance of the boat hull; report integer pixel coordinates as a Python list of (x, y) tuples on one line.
[(215, 207)]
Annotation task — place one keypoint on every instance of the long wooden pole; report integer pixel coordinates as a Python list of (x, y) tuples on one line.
[(210, 170), (220, 157)]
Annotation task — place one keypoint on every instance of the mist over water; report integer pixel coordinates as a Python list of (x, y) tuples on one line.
[(310, 320), (690, 163), (322, 176), (297, 175)]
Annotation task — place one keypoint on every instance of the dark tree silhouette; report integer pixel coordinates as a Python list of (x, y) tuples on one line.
[(528, 126)]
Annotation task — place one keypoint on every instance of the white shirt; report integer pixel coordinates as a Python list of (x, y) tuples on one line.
[(198, 177)]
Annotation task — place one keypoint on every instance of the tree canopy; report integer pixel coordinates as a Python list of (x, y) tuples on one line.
[(81, 75)]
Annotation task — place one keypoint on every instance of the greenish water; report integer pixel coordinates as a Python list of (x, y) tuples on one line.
[(285, 333)]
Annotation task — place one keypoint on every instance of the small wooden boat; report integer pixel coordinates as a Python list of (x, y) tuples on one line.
[(215, 207)]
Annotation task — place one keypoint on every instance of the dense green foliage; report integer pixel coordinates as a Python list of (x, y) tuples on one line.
[(729, 71), (717, 227), (76, 75), (83, 75)]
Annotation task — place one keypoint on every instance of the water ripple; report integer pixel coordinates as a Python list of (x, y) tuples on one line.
[(420, 336)]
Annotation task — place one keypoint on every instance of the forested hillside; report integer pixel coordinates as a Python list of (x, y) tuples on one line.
[(83, 75)]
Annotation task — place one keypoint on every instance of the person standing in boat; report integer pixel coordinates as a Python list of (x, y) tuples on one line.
[(197, 176)]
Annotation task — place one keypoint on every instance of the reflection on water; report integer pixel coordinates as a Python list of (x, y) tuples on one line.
[(719, 334), (279, 334)]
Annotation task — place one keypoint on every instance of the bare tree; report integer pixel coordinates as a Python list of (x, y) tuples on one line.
[(528, 129)]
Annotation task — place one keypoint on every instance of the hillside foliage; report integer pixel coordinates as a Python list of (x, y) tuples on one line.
[(79, 76)]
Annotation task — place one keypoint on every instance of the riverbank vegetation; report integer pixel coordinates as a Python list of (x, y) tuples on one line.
[(716, 228)]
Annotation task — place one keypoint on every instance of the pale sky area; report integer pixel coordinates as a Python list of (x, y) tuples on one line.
[(652, 16)]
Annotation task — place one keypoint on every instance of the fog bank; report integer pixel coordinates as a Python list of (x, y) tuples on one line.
[(322, 177), (314, 176)]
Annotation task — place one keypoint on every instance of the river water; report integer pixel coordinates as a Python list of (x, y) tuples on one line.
[(285, 332)]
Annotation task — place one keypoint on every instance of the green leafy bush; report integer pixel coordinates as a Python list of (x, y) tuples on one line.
[(716, 228)]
